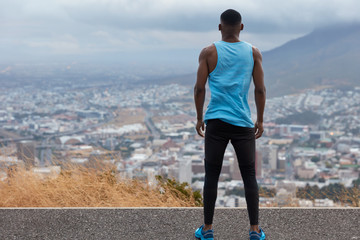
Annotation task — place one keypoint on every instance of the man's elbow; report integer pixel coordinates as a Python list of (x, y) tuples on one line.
[(198, 90), (260, 90)]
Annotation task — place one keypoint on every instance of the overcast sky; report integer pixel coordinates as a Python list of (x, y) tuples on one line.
[(65, 29)]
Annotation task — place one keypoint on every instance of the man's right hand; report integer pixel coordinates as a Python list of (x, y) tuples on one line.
[(200, 128), (259, 129)]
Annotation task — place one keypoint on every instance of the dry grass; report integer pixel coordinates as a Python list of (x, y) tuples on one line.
[(82, 187), (346, 196)]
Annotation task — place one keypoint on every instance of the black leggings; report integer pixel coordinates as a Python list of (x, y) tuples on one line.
[(217, 136)]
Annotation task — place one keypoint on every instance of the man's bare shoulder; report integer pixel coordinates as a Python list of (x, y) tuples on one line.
[(256, 53), (208, 51), (210, 48)]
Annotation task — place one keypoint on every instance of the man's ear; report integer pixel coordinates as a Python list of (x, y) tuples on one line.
[(220, 27), (241, 27)]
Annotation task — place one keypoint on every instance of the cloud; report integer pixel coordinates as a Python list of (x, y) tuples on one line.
[(61, 27), (187, 15), (261, 15)]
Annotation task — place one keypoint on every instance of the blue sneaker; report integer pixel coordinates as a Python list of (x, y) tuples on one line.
[(201, 234), (257, 236)]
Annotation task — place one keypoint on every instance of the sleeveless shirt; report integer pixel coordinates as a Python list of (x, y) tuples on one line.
[(229, 84)]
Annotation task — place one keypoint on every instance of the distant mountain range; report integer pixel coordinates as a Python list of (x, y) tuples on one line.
[(326, 57)]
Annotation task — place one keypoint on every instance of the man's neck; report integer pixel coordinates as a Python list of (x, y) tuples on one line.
[(230, 38)]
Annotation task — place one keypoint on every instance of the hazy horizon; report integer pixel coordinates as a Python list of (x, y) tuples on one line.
[(144, 33)]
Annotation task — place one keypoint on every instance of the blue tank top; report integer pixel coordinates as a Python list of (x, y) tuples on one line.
[(229, 84)]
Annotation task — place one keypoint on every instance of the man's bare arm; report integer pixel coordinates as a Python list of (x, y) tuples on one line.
[(199, 90), (260, 91)]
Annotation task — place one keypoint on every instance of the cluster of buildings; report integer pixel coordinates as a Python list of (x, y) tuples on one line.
[(149, 130)]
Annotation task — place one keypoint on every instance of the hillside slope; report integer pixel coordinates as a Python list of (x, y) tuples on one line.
[(86, 187), (327, 56)]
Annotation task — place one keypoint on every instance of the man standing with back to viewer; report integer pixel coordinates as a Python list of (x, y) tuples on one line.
[(230, 64)]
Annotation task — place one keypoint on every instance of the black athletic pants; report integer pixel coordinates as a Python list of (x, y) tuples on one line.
[(217, 136)]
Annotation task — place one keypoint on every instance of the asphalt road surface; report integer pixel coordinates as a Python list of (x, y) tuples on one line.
[(176, 223)]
